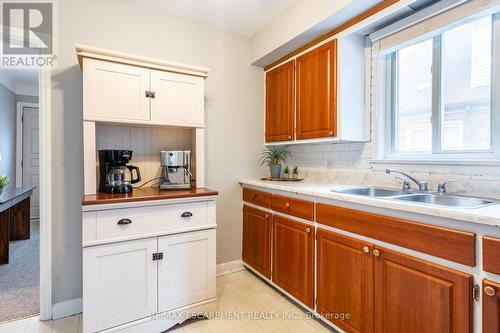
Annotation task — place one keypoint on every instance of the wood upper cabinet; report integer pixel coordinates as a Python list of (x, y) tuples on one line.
[(344, 278), (257, 239), (412, 295), (316, 82), (293, 258), (280, 103), (491, 306)]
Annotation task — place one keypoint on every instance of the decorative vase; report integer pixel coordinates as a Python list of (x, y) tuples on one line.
[(275, 170), (295, 176), (286, 175)]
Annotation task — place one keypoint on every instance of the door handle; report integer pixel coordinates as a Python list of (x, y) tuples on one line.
[(187, 214), (124, 222)]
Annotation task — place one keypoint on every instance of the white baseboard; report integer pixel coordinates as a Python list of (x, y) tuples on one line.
[(230, 267), (67, 308)]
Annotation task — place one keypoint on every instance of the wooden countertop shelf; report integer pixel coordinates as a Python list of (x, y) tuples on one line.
[(145, 194)]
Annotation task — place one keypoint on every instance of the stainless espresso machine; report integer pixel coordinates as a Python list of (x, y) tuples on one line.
[(176, 169)]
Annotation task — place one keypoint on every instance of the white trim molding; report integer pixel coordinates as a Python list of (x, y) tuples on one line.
[(45, 124), (85, 51), (230, 267), (67, 308)]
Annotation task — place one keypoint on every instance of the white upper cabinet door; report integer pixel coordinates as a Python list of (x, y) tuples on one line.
[(119, 283), (178, 99), (186, 275), (115, 92)]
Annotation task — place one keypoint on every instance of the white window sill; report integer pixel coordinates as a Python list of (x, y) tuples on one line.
[(447, 162)]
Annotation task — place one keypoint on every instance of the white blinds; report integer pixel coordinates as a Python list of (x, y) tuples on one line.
[(430, 21)]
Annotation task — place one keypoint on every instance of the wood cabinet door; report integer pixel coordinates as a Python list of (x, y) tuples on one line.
[(20, 220), (257, 239), (115, 92), (344, 284), (178, 99), (293, 258), (119, 283), (279, 103), (491, 306), (186, 274), (413, 295), (316, 81)]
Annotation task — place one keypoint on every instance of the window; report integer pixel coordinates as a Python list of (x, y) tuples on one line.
[(441, 92)]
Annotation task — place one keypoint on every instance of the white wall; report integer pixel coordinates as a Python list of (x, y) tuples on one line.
[(234, 115), (8, 134)]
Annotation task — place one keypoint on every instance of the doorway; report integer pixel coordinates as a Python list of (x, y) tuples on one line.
[(20, 200)]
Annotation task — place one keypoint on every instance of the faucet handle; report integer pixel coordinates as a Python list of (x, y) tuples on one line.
[(423, 185), (442, 186)]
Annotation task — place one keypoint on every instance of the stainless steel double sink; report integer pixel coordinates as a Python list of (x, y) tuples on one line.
[(426, 198)]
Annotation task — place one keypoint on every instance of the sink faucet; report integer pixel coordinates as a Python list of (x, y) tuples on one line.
[(422, 185)]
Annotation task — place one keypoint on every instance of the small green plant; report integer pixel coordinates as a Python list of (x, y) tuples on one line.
[(296, 170), (4, 181), (286, 169), (274, 155)]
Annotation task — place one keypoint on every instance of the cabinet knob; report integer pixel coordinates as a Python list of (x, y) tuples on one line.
[(267, 216), (289, 137), (330, 133), (376, 253), (489, 291), (254, 195), (308, 230), (124, 222), (366, 249), (287, 205)]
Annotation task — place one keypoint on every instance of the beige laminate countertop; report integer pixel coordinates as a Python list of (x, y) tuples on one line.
[(488, 215)]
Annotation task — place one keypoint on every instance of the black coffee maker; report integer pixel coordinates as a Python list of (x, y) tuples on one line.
[(115, 174)]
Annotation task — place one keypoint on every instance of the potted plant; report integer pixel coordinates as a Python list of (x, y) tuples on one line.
[(273, 157), (286, 172), (4, 181), (295, 174)]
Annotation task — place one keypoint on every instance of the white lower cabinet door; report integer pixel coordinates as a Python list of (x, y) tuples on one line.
[(119, 284), (186, 275)]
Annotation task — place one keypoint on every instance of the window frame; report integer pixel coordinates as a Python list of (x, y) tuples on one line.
[(437, 153)]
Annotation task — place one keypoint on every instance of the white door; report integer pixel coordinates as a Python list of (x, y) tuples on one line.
[(119, 283), (178, 99), (115, 92), (30, 162), (186, 275)]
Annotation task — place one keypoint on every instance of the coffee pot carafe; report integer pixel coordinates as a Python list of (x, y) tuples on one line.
[(115, 175)]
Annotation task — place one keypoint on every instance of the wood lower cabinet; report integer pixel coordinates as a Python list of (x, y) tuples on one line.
[(491, 306), (293, 258), (257, 239), (316, 85), (344, 281), (412, 295), (280, 103), (20, 220)]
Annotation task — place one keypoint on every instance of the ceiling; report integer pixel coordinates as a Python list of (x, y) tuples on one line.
[(243, 17), (21, 81)]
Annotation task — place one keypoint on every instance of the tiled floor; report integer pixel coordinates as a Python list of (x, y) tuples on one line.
[(240, 294)]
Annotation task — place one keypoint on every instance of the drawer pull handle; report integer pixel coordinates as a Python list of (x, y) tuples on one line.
[(366, 249), (287, 205), (187, 214), (308, 230), (489, 291), (376, 253), (124, 221)]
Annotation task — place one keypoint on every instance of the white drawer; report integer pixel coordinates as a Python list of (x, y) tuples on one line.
[(134, 222)]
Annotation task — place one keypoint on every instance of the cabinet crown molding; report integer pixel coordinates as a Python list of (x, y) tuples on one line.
[(85, 51)]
